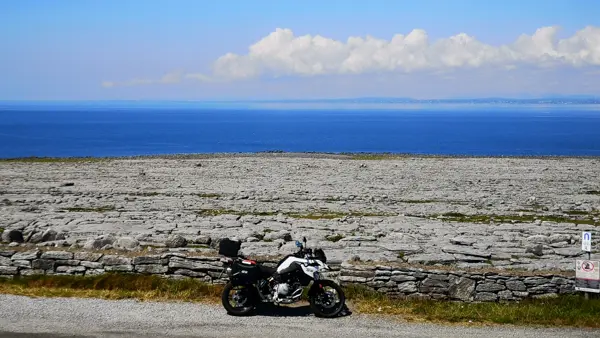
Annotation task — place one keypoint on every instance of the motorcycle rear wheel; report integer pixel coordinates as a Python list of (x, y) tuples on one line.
[(241, 296), (324, 303)]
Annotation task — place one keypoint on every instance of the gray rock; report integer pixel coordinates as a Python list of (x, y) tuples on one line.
[(468, 241), (57, 255), (92, 265), (431, 258), (7, 253), (407, 287), (50, 235), (407, 249), (43, 264), (5, 261), (568, 252), (71, 269), (151, 268), (115, 260), (119, 268), (486, 297), (516, 285), (31, 272), (69, 262), (99, 243), (537, 249), (126, 243), (358, 239), (352, 279), (21, 264), (466, 251), (8, 270), (284, 235), (156, 259), (506, 295), (35, 238), (13, 235), (189, 264), (176, 241), (490, 287), (202, 239), (87, 256), (26, 255), (462, 288)]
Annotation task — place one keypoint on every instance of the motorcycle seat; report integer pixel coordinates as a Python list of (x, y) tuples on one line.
[(266, 270)]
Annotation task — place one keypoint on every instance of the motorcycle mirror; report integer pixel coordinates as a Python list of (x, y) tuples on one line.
[(298, 244)]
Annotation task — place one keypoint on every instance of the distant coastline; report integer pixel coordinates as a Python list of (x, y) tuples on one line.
[(544, 100), (280, 154)]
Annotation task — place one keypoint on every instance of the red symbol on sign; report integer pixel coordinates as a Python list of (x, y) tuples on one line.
[(587, 266)]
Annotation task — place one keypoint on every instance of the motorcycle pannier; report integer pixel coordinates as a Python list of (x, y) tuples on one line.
[(229, 248), (242, 273)]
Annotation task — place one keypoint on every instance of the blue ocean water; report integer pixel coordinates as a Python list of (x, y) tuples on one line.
[(65, 130)]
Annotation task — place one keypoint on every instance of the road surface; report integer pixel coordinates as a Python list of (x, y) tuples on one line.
[(61, 317)]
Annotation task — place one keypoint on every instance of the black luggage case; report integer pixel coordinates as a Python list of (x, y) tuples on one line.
[(229, 248)]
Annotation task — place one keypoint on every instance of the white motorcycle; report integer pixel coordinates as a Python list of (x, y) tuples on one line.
[(251, 283)]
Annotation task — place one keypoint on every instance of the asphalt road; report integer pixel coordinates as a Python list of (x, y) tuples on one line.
[(69, 317)]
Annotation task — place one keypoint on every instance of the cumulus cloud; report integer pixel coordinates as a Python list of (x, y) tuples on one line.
[(282, 53)]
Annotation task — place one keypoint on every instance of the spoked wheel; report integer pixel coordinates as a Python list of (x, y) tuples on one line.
[(237, 300), (328, 300)]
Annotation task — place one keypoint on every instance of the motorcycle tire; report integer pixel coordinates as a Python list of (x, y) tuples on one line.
[(237, 311), (318, 310)]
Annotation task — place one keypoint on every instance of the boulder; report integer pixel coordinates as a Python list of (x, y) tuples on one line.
[(176, 241), (126, 243), (10, 236), (536, 249), (99, 242), (462, 289)]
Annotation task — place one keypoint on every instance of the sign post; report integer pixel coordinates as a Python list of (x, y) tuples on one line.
[(587, 272), (586, 242)]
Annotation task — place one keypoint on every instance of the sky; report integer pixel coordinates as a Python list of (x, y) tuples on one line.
[(269, 49)]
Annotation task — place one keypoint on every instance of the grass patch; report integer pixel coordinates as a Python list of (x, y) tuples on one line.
[(112, 286), (566, 310), (334, 238), (146, 194), (314, 216), (208, 195), (417, 201), (458, 217), (94, 209)]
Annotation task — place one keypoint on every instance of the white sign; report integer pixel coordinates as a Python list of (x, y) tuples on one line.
[(586, 241), (587, 270)]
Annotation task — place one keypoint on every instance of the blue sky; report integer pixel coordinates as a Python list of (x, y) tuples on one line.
[(63, 50)]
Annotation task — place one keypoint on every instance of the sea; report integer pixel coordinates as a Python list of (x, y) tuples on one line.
[(107, 129)]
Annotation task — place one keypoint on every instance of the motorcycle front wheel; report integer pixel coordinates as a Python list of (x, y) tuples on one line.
[(328, 299), (237, 300)]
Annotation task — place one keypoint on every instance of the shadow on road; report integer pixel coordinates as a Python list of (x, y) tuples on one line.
[(270, 310)]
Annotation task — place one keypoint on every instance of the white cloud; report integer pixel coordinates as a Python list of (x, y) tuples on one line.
[(281, 53)]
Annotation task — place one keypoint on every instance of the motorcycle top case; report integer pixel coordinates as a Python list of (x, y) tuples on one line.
[(229, 248), (245, 272)]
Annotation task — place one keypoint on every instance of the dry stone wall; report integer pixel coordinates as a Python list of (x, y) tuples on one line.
[(392, 281)]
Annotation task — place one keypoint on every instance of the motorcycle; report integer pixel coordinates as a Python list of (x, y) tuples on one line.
[(251, 283)]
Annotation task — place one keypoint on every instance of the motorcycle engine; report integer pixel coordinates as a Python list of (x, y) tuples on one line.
[(282, 289)]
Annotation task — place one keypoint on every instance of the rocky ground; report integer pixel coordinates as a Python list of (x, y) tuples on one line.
[(469, 212)]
